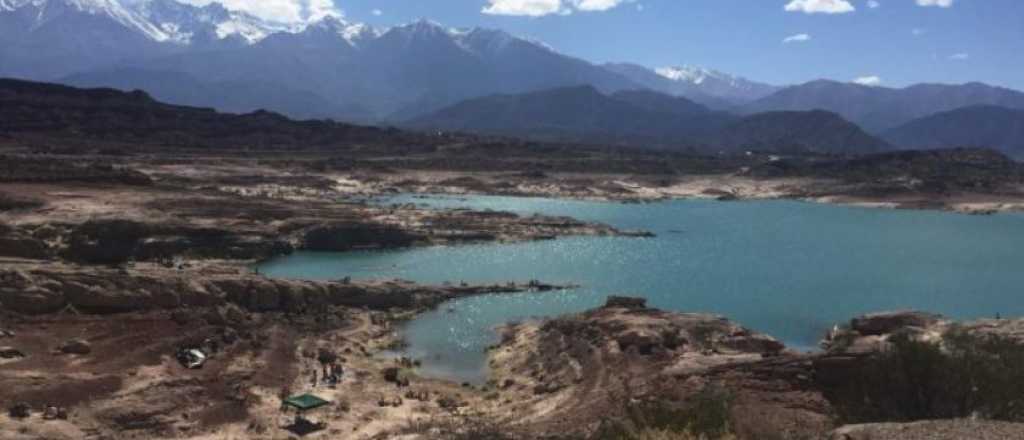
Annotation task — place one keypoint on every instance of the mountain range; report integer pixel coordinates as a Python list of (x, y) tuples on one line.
[(423, 73), (992, 126), (579, 114), (878, 109), (714, 89), (365, 73), (48, 39), (60, 117), (649, 119)]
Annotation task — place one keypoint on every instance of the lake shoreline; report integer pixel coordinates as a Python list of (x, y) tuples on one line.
[(84, 252), (724, 187)]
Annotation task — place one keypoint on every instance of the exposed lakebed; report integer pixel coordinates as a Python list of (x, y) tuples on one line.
[(788, 269)]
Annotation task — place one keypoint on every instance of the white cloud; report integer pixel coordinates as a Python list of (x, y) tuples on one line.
[(939, 3), (377, 12), (539, 8), (962, 56), (873, 4), (798, 38), (872, 80), (596, 5), (530, 8), (283, 11), (820, 6)]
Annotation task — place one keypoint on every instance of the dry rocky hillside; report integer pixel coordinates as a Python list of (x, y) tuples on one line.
[(658, 371)]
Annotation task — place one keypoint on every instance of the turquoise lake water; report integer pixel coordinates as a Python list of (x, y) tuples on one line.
[(788, 269)]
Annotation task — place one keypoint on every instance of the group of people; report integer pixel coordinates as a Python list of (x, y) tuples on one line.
[(331, 374)]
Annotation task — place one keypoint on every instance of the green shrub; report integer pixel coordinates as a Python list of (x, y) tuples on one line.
[(461, 427), (967, 376), (704, 334), (706, 416)]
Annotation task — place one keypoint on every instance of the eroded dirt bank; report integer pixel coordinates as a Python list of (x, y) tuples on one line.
[(100, 344), (115, 374), (974, 181), (574, 374)]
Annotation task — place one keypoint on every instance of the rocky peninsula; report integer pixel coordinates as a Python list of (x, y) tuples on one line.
[(580, 373)]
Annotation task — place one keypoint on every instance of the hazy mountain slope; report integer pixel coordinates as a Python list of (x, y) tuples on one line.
[(318, 62), (573, 113), (660, 102), (817, 131), (472, 63), (421, 64), (645, 118), (68, 117), (692, 120), (398, 74), (879, 108), (994, 127), (93, 39), (522, 65), (46, 44), (229, 96)]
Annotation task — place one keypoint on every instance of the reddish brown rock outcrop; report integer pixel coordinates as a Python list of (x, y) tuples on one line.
[(587, 367)]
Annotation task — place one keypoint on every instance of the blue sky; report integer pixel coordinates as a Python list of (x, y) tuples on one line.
[(891, 42)]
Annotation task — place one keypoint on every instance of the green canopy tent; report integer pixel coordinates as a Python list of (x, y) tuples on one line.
[(305, 402)]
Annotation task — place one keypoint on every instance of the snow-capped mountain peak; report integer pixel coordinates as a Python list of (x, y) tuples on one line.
[(716, 83), (354, 33), (164, 21), (693, 74), (479, 40), (183, 24), (422, 28), (129, 17), (707, 86), (426, 25)]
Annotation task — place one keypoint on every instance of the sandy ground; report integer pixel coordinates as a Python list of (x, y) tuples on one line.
[(639, 188), (130, 386), (252, 179)]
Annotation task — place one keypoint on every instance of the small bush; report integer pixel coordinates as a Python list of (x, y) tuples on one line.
[(968, 376), (707, 416), (460, 427), (671, 340), (704, 334)]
